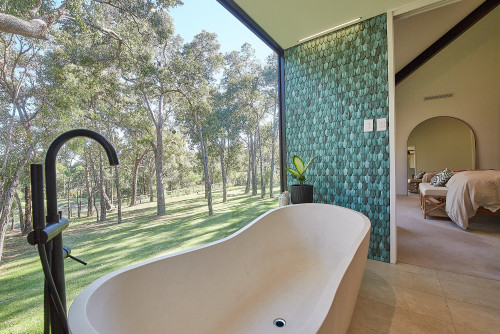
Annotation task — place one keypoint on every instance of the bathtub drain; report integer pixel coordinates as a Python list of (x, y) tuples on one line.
[(279, 323)]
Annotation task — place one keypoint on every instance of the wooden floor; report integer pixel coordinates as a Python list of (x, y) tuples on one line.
[(404, 298)]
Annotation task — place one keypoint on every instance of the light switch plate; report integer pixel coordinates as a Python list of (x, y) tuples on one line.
[(368, 127), (381, 124)]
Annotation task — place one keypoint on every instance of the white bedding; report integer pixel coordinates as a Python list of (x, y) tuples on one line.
[(469, 190)]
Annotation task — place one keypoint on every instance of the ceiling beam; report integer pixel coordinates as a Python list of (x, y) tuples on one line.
[(461, 27)]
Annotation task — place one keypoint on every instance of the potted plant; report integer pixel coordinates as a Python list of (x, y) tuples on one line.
[(300, 193)]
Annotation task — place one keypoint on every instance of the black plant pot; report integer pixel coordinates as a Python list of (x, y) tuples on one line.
[(301, 194)]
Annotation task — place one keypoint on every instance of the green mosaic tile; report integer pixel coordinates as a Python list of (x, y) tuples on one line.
[(333, 83)]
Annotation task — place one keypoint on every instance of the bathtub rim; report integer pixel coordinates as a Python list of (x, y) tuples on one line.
[(77, 314)]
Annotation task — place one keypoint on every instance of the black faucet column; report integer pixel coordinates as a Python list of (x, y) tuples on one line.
[(53, 217), (38, 217), (56, 244)]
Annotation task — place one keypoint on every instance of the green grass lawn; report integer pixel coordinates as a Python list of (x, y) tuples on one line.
[(108, 246)]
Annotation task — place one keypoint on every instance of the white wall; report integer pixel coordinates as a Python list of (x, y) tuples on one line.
[(470, 69), (443, 142)]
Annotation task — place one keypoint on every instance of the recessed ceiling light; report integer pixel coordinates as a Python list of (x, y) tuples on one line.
[(328, 30)]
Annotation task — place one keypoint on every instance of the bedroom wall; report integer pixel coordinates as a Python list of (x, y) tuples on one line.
[(443, 142), (469, 69), (333, 83)]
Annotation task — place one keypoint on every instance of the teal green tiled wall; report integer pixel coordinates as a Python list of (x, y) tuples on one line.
[(333, 83)]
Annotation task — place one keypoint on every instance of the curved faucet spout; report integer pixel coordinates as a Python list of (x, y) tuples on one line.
[(50, 165)]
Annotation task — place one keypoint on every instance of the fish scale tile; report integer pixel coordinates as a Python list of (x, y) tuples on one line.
[(333, 83)]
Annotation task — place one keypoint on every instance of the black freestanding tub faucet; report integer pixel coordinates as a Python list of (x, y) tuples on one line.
[(49, 237)]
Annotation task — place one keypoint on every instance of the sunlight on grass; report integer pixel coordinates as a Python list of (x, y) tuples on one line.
[(108, 246)]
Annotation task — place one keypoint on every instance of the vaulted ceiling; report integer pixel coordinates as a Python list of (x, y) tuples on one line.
[(288, 21)]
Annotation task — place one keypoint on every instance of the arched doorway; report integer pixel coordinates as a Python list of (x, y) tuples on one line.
[(438, 143)]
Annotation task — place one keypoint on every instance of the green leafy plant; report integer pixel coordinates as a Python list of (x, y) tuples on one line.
[(298, 174)]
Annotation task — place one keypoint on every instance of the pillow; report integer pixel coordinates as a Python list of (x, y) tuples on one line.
[(419, 175), (441, 178), (428, 177)]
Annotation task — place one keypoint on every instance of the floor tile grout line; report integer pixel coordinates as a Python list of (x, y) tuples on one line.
[(473, 304), (467, 301), (364, 326), (447, 306), (471, 276), (408, 310), (393, 267), (406, 287), (415, 265), (410, 272)]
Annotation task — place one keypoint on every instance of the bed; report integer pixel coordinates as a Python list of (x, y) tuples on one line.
[(466, 194), (470, 191)]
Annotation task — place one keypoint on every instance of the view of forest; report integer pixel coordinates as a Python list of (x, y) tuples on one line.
[(183, 116)]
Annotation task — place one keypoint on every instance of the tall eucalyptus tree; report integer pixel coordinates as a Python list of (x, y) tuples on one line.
[(201, 60), (19, 76), (270, 94)]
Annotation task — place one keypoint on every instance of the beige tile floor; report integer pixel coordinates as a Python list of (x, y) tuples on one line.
[(408, 299)]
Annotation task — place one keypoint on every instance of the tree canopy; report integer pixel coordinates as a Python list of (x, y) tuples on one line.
[(180, 113)]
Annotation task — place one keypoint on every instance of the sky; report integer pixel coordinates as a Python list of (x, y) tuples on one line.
[(197, 15)]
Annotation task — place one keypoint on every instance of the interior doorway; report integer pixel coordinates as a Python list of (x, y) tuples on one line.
[(453, 249)]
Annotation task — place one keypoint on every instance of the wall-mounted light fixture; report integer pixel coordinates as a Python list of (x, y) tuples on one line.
[(328, 30)]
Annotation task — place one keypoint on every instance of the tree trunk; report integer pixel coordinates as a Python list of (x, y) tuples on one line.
[(6, 150), (96, 209), (134, 180), (228, 157), (118, 195), (79, 202), (206, 187), (3, 231), (20, 210), (69, 195), (206, 171), (223, 171), (160, 191), (158, 152), (27, 210), (99, 186), (262, 188), (102, 190), (7, 206), (144, 181), (111, 189), (63, 190), (271, 176), (151, 194), (8, 198), (254, 166), (247, 188), (102, 177), (88, 184), (138, 159), (275, 136)]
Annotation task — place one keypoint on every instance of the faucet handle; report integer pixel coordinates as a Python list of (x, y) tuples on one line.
[(67, 253)]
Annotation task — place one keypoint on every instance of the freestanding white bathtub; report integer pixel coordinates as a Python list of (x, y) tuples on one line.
[(302, 263)]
